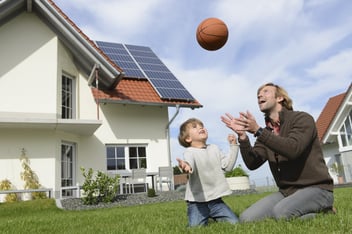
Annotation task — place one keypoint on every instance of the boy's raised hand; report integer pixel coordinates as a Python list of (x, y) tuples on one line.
[(232, 139), (184, 166)]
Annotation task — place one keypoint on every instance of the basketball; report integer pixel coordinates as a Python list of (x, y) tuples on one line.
[(212, 34)]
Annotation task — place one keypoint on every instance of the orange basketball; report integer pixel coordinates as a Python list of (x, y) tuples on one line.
[(212, 34)]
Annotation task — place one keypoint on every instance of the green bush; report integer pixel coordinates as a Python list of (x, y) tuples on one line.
[(102, 188), (30, 178), (151, 192), (236, 172), (177, 170), (7, 185)]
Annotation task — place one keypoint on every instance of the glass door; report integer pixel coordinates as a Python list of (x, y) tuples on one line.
[(67, 168)]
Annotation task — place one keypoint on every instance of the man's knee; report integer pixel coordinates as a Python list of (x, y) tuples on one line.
[(279, 213), (244, 218)]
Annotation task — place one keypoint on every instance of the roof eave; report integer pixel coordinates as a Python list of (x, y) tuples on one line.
[(83, 50), (336, 122), (168, 104), (85, 54)]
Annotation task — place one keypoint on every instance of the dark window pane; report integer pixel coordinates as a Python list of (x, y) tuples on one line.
[(111, 164), (110, 152), (120, 152), (141, 152), (121, 164), (133, 152), (133, 163), (142, 163)]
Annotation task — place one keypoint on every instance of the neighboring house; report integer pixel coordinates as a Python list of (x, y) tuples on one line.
[(335, 133), (70, 102)]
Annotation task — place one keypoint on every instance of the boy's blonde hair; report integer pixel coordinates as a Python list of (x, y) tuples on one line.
[(184, 131), (280, 92)]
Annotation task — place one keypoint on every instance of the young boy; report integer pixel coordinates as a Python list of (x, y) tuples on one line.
[(205, 164)]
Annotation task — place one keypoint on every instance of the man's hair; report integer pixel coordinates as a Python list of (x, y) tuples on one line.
[(184, 131), (280, 92)]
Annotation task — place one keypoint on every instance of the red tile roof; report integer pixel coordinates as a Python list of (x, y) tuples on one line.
[(328, 113), (137, 91)]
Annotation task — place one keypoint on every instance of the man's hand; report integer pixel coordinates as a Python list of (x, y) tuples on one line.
[(236, 126), (246, 122)]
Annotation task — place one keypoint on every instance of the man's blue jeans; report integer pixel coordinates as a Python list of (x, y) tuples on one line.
[(199, 212), (304, 202)]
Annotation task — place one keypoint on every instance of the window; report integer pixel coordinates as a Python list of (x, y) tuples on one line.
[(67, 167), (115, 158), (121, 157), (345, 132), (67, 97), (137, 157)]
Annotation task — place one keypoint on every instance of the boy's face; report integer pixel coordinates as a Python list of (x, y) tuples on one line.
[(196, 133)]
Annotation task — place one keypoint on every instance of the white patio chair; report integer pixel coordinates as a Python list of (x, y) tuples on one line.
[(138, 176), (165, 176)]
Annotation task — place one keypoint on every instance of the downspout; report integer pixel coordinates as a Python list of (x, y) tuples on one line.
[(29, 6), (97, 84), (168, 140), (168, 132)]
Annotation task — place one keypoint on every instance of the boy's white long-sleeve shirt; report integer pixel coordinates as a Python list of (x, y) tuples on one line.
[(207, 180)]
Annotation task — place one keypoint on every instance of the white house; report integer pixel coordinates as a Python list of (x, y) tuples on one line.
[(335, 133), (71, 102)]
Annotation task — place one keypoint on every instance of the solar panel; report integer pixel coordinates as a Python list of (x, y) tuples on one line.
[(142, 62)]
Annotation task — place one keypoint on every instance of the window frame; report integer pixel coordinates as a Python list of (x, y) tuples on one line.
[(139, 157), (345, 133), (68, 168), (68, 108)]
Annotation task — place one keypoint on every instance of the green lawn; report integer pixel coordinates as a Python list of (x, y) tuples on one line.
[(42, 216)]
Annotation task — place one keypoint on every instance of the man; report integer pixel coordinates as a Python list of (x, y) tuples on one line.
[(290, 144)]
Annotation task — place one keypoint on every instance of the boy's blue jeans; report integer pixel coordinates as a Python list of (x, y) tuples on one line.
[(199, 212), (304, 203)]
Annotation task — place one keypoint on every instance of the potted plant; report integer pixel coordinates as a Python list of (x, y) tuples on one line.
[(338, 170), (237, 179)]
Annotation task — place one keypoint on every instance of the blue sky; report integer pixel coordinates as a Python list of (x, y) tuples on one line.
[(303, 45)]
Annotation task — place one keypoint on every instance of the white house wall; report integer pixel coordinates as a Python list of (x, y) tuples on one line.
[(347, 163), (28, 64), (136, 124), (84, 103), (40, 146), (329, 151)]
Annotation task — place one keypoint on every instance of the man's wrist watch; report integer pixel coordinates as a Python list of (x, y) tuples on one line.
[(258, 132)]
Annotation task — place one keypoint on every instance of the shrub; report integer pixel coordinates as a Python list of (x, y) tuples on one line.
[(151, 192), (7, 185), (236, 172), (30, 178), (102, 188), (177, 170)]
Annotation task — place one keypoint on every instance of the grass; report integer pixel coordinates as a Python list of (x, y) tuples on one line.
[(42, 216)]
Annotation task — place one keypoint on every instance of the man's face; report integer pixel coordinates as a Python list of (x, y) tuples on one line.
[(267, 99)]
